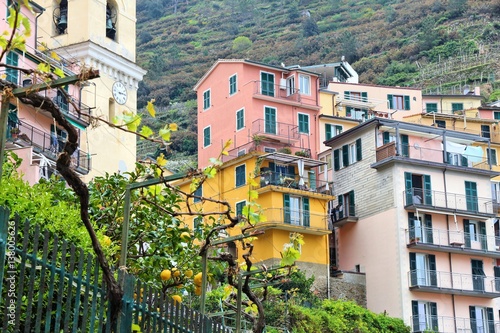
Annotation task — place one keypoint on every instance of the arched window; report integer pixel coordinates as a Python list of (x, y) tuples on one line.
[(111, 21)]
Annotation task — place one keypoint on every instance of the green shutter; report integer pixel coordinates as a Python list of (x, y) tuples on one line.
[(408, 188), (432, 269), (341, 204), (407, 102), (472, 316), (305, 211), (352, 205), (312, 180), (471, 196), (328, 131), (286, 208), (411, 225), (386, 137), (467, 233), (415, 318), (405, 146), (428, 228), (389, 98), (348, 111), (347, 95), (434, 318), (427, 190), (345, 155), (496, 271), (364, 96), (336, 159), (491, 320), (482, 235), (359, 155), (413, 269)]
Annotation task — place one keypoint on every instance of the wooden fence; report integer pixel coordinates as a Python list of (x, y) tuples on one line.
[(49, 285)]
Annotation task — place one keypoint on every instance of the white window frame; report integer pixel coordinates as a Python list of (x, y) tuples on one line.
[(304, 84), (474, 231), (352, 153), (235, 84), (209, 99), (290, 85)]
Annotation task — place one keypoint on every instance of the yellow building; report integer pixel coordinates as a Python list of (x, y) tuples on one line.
[(100, 34)]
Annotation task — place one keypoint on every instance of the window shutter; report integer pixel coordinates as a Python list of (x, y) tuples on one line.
[(286, 208), (411, 225), (352, 205), (413, 269), (467, 233), (347, 95), (364, 96), (408, 188), (415, 319), (496, 270), (428, 228), (434, 318), (358, 150), (491, 319), (427, 190), (407, 102), (328, 131), (405, 148), (305, 211), (472, 316), (336, 159), (341, 206), (348, 111), (482, 235), (345, 155), (386, 137), (432, 269), (464, 161), (389, 98)]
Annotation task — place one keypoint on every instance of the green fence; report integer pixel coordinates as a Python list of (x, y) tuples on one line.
[(49, 285)]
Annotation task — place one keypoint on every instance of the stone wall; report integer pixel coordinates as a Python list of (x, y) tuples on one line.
[(349, 286)]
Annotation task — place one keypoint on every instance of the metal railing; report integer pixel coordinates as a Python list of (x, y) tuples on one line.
[(277, 91), (438, 199), (298, 217), (427, 323), (50, 147), (453, 238), (275, 129), (268, 178), (453, 281)]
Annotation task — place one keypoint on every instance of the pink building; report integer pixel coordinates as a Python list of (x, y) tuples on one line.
[(415, 214), (32, 133), (250, 102)]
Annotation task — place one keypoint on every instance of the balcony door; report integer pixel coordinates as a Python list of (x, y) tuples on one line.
[(267, 84), (420, 231), (424, 316), (418, 189), (423, 269), (296, 210), (481, 319), (270, 120), (471, 196), (477, 275)]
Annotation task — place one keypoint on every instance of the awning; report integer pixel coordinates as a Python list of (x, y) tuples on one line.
[(77, 125)]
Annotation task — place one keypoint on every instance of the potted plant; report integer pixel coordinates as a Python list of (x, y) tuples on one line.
[(303, 153), (285, 150), (14, 132)]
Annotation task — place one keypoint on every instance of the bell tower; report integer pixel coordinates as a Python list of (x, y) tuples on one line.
[(100, 34)]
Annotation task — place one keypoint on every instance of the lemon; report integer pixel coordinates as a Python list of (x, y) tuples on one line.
[(165, 275), (185, 236), (188, 273), (177, 299), (198, 279)]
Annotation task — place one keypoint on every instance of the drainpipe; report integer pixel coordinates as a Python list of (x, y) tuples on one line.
[(328, 264), (36, 25)]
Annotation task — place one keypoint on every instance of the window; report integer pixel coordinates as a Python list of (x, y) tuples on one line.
[(233, 87), (347, 155), (475, 234), (296, 210), (403, 147), (481, 319), (418, 189), (198, 225), (241, 152), (471, 196), (290, 85), (354, 113), (305, 84), (12, 74), (206, 137), (303, 123), (431, 107), (240, 175), (477, 274), (398, 102), (57, 139), (198, 194), (424, 316), (332, 130), (240, 119), (356, 96), (423, 270), (239, 208), (206, 100), (110, 21), (441, 123), (61, 99), (492, 156), (61, 17), (485, 131), (269, 150), (270, 120), (346, 205), (420, 231), (496, 115), (457, 107), (267, 84)]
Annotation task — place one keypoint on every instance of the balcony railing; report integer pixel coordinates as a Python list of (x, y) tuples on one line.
[(457, 241), (50, 147), (277, 91), (269, 178), (427, 323), (295, 217), (456, 283), (417, 152), (277, 130), (446, 200)]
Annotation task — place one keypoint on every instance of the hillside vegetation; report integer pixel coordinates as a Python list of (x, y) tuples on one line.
[(388, 42)]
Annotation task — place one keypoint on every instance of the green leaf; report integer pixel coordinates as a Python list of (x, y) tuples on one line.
[(43, 67), (59, 72), (165, 134), (151, 108), (146, 131)]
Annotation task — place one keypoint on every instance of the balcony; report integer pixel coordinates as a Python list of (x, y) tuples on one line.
[(283, 94), (418, 198), (453, 241), (295, 220), (268, 179), (428, 323), (42, 143), (454, 283), (281, 132)]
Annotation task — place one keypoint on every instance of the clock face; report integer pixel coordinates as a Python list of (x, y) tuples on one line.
[(119, 92)]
